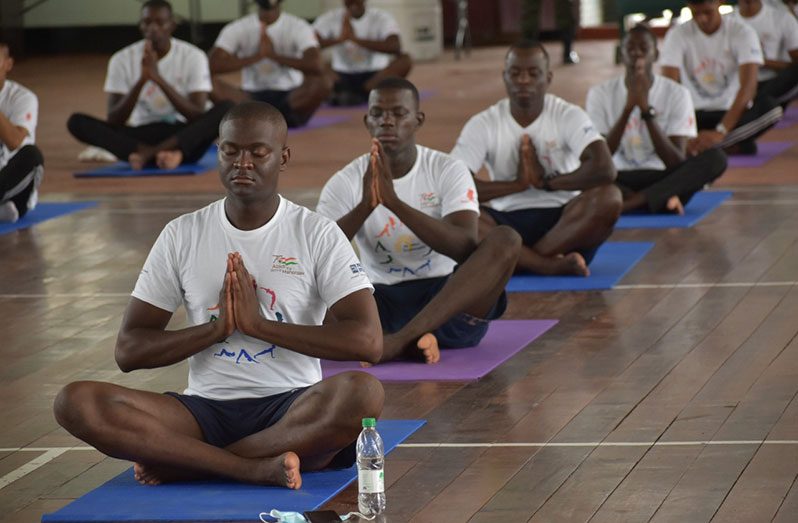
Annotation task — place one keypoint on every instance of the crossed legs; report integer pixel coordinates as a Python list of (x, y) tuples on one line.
[(473, 289), (163, 438), (586, 222)]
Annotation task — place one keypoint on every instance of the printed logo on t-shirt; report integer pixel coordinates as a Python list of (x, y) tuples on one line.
[(286, 265), (357, 269), (470, 197), (229, 352), (429, 199)]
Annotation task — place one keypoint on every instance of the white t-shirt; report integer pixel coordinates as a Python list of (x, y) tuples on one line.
[(348, 57), (21, 107), (675, 116), (559, 135), (185, 68), (777, 32), (437, 185), (302, 264), (290, 35), (710, 64)]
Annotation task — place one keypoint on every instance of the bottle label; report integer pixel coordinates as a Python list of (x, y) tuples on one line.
[(371, 481)]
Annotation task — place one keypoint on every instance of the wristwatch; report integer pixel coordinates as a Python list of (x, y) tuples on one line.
[(648, 114), (722, 129)]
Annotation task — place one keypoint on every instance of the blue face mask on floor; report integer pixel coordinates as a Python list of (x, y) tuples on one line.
[(275, 516)]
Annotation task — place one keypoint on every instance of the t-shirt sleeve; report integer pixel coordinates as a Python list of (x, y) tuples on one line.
[(682, 114), (458, 190), (790, 32), (25, 112), (577, 130), (748, 46), (325, 25), (671, 54), (472, 144), (117, 79), (159, 280), (597, 110), (199, 76), (304, 36), (387, 25), (229, 38), (337, 197), (338, 271)]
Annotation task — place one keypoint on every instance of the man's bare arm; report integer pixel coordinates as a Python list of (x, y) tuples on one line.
[(121, 105), (220, 61), (11, 135), (596, 169)]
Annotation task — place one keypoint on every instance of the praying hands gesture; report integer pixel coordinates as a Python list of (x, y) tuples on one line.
[(378, 180), (639, 87), (149, 63), (347, 31), (530, 171), (266, 46), (239, 308)]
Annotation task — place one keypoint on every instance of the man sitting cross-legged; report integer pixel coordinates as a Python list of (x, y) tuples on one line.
[(257, 275), (413, 214), (647, 120), (541, 151), (365, 49), (157, 91)]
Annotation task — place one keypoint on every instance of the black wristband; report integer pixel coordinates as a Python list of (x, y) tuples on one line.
[(545, 185)]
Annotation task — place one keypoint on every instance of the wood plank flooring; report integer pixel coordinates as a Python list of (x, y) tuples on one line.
[(670, 398)]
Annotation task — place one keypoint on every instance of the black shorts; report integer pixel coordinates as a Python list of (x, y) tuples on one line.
[(223, 422), (354, 83), (533, 224), (401, 302), (279, 99)]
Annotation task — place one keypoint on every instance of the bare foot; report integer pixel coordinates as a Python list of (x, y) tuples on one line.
[(674, 205), (572, 264), (168, 159), (428, 345), (282, 471), (136, 161), (156, 475)]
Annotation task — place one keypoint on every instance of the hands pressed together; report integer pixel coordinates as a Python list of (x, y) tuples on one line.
[(266, 46), (239, 308), (378, 180), (530, 171), (149, 63)]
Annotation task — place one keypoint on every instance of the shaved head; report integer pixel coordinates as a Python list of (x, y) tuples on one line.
[(257, 111), (528, 46)]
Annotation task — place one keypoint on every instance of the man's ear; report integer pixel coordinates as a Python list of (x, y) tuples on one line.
[(285, 156), (421, 118), (549, 77)]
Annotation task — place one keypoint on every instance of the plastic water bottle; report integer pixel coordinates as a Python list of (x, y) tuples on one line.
[(370, 470)]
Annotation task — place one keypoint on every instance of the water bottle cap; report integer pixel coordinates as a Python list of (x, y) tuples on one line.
[(369, 422)]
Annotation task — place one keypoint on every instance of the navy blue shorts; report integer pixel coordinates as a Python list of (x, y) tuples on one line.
[(401, 302), (279, 99), (223, 422), (533, 224), (354, 83)]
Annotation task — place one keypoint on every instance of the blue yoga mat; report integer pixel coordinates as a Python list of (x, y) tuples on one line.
[(45, 211), (122, 169), (613, 260), (700, 205), (123, 499)]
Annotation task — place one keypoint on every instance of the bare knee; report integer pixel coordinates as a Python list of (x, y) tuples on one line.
[(504, 244), (605, 203), (358, 395), (73, 406)]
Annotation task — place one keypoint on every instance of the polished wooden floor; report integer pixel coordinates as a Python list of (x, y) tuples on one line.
[(669, 398)]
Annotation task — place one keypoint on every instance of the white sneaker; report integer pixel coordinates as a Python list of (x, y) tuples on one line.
[(95, 154), (8, 213)]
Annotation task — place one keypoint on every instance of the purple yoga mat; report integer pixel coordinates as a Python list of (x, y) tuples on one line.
[(767, 151), (503, 340), (789, 119), (321, 120)]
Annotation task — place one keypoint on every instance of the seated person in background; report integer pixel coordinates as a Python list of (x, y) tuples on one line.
[(717, 58), (21, 162), (413, 212), (647, 120), (778, 34), (366, 49), (550, 171), (279, 59), (157, 92), (256, 274)]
